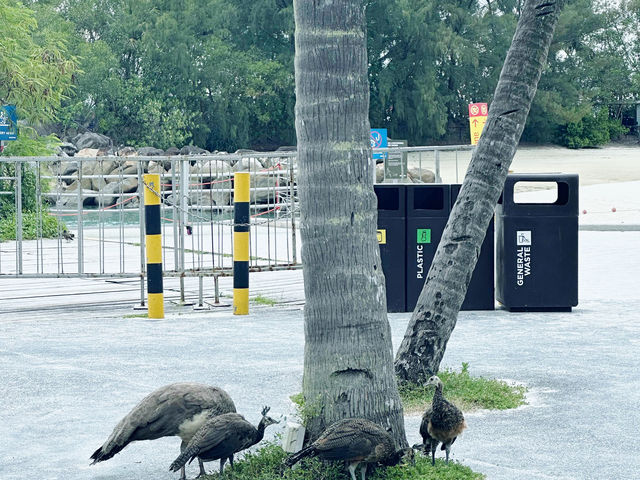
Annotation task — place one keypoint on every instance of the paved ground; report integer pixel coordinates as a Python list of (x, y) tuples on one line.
[(74, 359), (69, 375)]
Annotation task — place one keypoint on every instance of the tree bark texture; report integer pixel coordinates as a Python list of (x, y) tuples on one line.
[(435, 315), (348, 362)]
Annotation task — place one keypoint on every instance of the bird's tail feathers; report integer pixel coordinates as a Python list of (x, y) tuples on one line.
[(296, 457), (186, 456), (102, 453)]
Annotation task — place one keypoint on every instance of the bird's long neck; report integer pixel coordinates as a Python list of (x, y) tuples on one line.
[(260, 430), (438, 397)]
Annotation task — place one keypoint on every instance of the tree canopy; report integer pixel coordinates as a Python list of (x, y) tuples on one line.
[(36, 68), (219, 73)]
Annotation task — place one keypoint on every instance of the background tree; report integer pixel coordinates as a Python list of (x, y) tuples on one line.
[(435, 315), (348, 359), (35, 68)]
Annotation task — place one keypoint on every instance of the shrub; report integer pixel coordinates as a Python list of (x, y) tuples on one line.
[(592, 130), (31, 227)]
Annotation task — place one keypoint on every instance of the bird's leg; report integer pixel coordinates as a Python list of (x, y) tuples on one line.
[(363, 470), (183, 475), (231, 461), (447, 458), (433, 453), (222, 460), (201, 464), (352, 470)]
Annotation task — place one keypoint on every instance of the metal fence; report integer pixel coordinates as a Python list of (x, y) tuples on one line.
[(101, 228)]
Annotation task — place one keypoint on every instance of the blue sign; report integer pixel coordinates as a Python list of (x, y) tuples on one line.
[(379, 139), (8, 123)]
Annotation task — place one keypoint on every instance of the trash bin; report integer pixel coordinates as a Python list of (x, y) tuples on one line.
[(392, 241), (481, 290), (537, 247), (428, 207)]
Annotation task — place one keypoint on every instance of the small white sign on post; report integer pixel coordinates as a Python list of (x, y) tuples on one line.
[(293, 437)]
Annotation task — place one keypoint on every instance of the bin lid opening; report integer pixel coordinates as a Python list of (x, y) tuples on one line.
[(388, 198), (546, 193), (429, 198)]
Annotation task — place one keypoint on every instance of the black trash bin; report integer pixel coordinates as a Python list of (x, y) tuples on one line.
[(392, 241), (481, 290), (428, 207), (537, 247)]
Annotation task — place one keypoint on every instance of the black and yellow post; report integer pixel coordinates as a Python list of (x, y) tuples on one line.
[(241, 196), (153, 244)]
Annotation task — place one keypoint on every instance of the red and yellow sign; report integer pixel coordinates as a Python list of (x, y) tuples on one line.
[(477, 118)]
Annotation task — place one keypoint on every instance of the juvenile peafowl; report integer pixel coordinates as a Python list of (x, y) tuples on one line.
[(355, 441), (444, 422), (221, 437), (178, 409)]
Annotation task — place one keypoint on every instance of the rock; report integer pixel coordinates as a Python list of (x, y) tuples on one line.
[(91, 140), (106, 152), (109, 194), (155, 167), (150, 152), (99, 170), (86, 185), (127, 152), (427, 176), (193, 150), (127, 168), (68, 148), (248, 164), (67, 168), (87, 152), (216, 177)]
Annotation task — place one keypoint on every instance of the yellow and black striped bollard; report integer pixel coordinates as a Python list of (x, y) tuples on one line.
[(241, 198), (153, 244)]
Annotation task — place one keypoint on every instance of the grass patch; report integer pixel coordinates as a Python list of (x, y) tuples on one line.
[(467, 392), (137, 315), (266, 464), (262, 300)]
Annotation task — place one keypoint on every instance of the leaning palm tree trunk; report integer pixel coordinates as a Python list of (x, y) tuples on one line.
[(348, 360), (435, 315)]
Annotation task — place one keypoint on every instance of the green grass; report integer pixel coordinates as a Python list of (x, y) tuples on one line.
[(467, 392), (262, 300), (266, 464), (137, 315)]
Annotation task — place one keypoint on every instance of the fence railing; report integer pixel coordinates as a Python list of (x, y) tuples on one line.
[(100, 232)]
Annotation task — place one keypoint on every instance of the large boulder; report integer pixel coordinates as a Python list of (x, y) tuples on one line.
[(417, 176), (215, 177), (68, 148), (110, 193), (127, 152), (91, 140), (88, 152), (193, 150), (248, 164), (150, 152)]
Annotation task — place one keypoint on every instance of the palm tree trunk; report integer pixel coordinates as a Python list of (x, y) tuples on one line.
[(348, 362), (435, 315)]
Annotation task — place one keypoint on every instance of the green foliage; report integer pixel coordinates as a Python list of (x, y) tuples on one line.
[(306, 409), (30, 144), (262, 300), (593, 130), (266, 464), (35, 66), (32, 226), (467, 392), (220, 73)]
